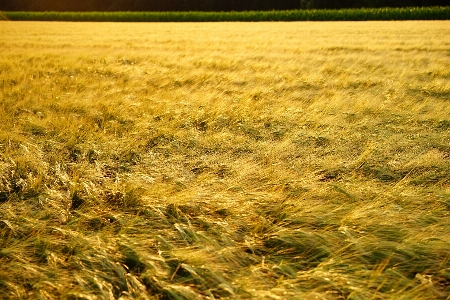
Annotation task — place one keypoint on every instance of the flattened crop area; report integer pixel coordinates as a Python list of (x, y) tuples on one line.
[(225, 160)]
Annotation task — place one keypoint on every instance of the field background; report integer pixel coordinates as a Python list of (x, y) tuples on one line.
[(351, 14), (225, 160)]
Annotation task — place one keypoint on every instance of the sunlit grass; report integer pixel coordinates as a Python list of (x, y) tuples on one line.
[(226, 160)]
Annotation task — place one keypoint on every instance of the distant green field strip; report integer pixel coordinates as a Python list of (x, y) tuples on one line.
[(428, 13)]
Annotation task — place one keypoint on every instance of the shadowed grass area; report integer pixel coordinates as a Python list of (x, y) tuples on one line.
[(233, 160)]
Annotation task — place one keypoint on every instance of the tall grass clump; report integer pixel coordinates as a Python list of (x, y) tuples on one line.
[(225, 161), (363, 14)]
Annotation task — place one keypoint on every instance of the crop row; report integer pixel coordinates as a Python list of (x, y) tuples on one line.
[(363, 14)]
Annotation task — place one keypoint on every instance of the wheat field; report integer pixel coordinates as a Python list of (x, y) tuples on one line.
[(225, 160)]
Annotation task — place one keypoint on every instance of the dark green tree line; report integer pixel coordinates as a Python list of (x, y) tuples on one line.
[(204, 5)]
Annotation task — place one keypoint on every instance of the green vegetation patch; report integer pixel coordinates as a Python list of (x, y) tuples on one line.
[(364, 14)]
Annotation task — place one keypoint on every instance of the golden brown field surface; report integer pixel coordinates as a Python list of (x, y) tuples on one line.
[(225, 160)]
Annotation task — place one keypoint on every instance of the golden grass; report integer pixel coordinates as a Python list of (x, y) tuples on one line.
[(225, 160)]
